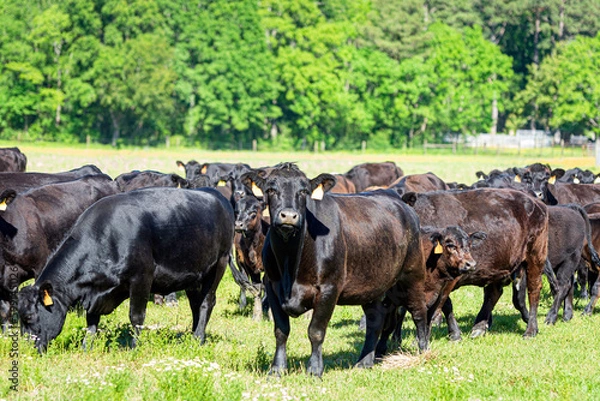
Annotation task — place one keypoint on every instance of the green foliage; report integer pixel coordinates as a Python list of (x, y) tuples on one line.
[(223, 73)]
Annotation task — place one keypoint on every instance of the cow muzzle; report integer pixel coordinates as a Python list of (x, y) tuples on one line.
[(468, 266), (287, 222)]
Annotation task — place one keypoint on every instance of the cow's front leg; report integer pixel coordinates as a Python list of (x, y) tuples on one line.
[(282, 330), (92, 320), (483, 322), (316, 332)]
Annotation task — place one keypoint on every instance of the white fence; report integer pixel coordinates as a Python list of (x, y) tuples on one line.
[(523, 139)]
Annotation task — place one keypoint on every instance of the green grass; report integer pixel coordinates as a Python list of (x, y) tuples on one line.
[(169, 364)]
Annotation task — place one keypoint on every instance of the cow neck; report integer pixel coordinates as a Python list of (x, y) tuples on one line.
[(288, 254)]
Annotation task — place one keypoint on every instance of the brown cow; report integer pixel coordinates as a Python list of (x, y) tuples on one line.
[(561, 193), (343, 185), (250, 232), (373, 174), (419, 183), (517, 230)]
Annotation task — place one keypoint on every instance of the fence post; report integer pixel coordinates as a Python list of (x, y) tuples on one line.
[(316, 147), (88, 140), (167, 141), (363, 146), (254, 145), (425, 147)]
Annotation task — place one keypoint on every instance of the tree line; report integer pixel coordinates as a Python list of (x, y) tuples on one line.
[(291, 73)]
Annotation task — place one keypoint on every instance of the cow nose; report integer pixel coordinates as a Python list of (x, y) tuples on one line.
[(470, 265), (288, 216), (239, 225), (539, 194), (239, 195)]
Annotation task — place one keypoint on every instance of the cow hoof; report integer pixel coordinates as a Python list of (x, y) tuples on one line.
[(550, 321), (316, 372), (478, 333), (276, 371), (586, 312), (455, 337), (528, 335)]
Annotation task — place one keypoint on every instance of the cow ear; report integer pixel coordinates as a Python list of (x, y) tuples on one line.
[(6, 197), (410, 198), (517, 178), (481, 175), (552, 179), (46, 293), (558, 173), (597, 178), (477, 237), (180, 165), (436, 239), (321, 184), (254, 183), (203, 168)]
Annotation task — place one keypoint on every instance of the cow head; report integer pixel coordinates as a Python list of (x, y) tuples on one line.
[(534, 177), (191, 168), (42, 316), (178, 181), (450, 249), (248, 214), (238, 189), (286, 192)]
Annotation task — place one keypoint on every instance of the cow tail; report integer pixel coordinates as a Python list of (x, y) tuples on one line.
[(595, 258), (551, 276), (239, 276)]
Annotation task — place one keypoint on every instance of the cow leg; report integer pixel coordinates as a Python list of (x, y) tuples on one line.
[(138, 300), (518, 298), (5, 314), (397, 337), (375, 313), (454, 333), (582, 279), (205, 298), (564, 284), (568, 307), (595, 291), (257, 311), (417, 307), (491, 295), (536, 261), (171, 299), (390, 325), (282, 330), (243, 300), (92, 320), (317, 329)]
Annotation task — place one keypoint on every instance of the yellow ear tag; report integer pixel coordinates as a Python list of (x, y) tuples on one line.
[(47, 299), (257, 191), (181, 167), (597, 180), (203, 171), (552, 180), (517, 178), (438, 249), (179, 185), (266, 212), (575, 180), (318, 193), (3, 205), (221, 183)]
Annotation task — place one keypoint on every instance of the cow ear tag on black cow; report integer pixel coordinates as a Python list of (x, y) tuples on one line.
[(438, 249), (552, 180), (266, 212), (3, 205), (47, 299), (221, 183), (257, 191), (318, 193), (517, 178)]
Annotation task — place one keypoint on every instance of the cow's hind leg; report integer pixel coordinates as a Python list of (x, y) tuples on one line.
[(203, 300), (375, 314), (595, 292), (454, 333), (92, 320)]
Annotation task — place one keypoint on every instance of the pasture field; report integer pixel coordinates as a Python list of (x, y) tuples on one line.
[(560, 363)]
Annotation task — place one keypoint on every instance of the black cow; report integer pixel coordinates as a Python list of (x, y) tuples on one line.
[(21, 182), (323, 250), (148, 178), (191, 168), (534, 177), (127, 246), (569, 240), (250, 232), (12, 160), (516, 225), (35, 222), (233, 179), (373, 174)]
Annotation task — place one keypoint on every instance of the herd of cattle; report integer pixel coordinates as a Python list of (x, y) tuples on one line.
[(372, 237)]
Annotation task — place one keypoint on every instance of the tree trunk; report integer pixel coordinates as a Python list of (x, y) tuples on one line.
[(561, 20), (494, 127), (536, 37), (116, 129)]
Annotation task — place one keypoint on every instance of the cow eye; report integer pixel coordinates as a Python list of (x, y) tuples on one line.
[(270, 191), (451, 247), (303, 192)]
